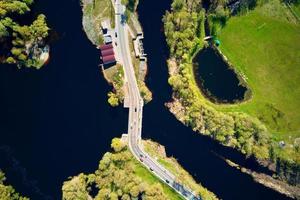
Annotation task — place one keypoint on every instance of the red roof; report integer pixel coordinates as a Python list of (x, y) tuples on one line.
[(108, 59), (107, 52), (106, 46)]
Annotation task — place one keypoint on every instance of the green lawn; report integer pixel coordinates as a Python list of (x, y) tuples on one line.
[(264, 45)]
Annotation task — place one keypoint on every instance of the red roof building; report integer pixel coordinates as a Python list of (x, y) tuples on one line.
[(107, 52), (108, 59), (106, 46)]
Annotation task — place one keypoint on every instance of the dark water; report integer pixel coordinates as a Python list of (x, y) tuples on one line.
[(216, 80), (56, 123)]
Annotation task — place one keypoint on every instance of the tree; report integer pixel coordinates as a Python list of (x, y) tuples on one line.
[(117, 144), (10, 60), (39, 27), (26, 39), (113, 99)]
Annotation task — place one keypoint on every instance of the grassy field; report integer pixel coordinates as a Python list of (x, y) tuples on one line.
[(264, 45), (95, 11)]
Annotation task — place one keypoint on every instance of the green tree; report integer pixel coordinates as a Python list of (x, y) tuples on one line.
[(113, 99)]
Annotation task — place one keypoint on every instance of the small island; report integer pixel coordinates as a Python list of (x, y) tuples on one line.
[(23, 45), (255, 39), (99, 25), (121, 176)]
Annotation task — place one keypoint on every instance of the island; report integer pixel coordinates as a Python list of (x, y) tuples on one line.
[(7, 192), (255, 40), (121, 176), (23, 45), (99, 26)]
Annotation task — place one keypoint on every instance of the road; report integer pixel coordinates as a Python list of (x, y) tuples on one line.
[(136, 109)]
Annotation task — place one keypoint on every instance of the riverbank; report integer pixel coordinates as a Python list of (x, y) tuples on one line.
[(268, 181), (7, 192), (94, 14), (239, 130), (129, 178)]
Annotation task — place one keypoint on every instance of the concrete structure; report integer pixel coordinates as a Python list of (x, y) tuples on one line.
[(139, 47), (136, 111)]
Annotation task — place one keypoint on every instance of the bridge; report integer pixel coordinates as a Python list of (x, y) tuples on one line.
[(136, 109)]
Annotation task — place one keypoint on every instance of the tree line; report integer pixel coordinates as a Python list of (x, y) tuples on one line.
[(114, 179), (182, 26)]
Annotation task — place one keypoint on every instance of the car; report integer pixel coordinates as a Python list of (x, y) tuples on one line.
[(116, 43), (135, 109), (123, 19), (141, 160), (116, 34), (167, 181), (151, 169), (141, 155)]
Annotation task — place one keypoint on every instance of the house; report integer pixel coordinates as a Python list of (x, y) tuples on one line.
[(107, 39), (109, 60), (139, 47), (107, 52), (105, 47)]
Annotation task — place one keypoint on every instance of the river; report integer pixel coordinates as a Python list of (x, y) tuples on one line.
[(56, 123)]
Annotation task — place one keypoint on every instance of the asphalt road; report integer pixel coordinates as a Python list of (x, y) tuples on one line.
[(136, 109)]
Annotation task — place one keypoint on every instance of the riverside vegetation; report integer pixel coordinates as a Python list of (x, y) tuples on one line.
[(121, 176), (241, 126), (23, 45), (7, 192), (96, 11)]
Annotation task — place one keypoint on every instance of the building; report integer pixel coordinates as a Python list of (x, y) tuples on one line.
[(105, 47), (107, 55), (139, 47), (107, 39), (107, 52), (109, 60)]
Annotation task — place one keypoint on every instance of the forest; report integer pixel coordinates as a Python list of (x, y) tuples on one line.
[(21, 44), (121, 177)]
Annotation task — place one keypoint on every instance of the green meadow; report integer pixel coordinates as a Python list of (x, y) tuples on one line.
[(264, 47)]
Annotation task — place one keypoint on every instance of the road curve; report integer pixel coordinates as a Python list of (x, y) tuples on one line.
[(136, 109)]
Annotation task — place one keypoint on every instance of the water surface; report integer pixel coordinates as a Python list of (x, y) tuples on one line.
[(216, 79), (56, 122)]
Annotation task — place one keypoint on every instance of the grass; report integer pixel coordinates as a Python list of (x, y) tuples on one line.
[(149, 178), (264, 46), (109, 73), (95, 11)]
